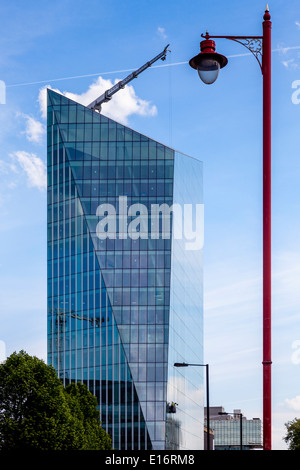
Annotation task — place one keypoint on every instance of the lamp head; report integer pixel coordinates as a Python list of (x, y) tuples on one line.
[(208, 63)]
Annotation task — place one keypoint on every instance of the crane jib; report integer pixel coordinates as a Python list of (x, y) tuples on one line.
[(106, 96)]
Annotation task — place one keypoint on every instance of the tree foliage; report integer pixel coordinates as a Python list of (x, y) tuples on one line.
[(38, 412), (83, 405), (292, 437)]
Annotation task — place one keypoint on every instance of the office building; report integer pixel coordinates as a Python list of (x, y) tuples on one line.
[(233, 430), (125, 276)]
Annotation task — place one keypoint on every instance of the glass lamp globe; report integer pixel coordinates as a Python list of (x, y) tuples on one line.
[(208, 69)]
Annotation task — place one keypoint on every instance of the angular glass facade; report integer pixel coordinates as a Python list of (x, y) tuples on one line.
[(124, 298)]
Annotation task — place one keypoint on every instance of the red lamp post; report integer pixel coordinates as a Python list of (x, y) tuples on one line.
[(208, 63)]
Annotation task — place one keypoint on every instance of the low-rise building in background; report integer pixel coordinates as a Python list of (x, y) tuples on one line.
[(233, 431)]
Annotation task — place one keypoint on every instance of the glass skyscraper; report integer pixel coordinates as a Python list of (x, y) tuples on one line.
[(125, 276)]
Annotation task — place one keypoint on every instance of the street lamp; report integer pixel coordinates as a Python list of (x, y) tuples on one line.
[(208, 63), (241, 424), (184, 364)]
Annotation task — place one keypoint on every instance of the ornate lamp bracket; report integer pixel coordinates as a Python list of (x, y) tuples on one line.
[(253, 43)]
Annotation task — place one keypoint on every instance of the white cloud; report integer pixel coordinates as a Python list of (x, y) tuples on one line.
[(123, 104), (2, 351), (34, 168), (293, 403), (290, 64), (162, 32), (34, 129), (297, 23), (282, 49)]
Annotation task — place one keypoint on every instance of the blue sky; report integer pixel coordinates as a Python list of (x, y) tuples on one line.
[(96, 42)]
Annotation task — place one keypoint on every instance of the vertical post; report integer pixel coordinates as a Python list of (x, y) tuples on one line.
[(207, 406), (266, 66)]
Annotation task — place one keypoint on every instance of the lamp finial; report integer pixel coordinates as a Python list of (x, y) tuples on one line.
[(267, 15)]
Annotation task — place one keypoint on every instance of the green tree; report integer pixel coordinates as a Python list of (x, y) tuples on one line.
[(38, 412), (83, 405), (292, 437)]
